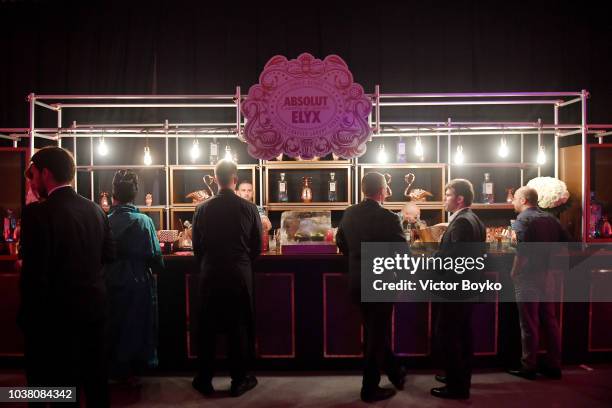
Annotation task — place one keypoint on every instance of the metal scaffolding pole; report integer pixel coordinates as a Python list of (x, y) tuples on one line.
[(584, 95)]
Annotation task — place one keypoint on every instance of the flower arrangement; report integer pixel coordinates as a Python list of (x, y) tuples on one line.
[(552, 193)]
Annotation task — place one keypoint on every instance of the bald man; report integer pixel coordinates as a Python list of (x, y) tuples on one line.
[(533, 284), (410, 218)]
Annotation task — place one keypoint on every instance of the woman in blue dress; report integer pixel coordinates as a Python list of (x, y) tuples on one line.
[(131, 287)]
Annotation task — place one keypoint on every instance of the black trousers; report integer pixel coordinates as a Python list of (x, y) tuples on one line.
[(377, 354), (454, 340), (76, 357), (229, 314)]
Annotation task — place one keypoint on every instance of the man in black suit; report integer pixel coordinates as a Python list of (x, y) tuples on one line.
[(65, 241), (227, 237), (368, 221), (454, 321), (534, 284)]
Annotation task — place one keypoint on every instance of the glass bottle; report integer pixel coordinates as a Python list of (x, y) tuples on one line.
[(594, 216), (12, 225), (487, 190), (332, 193), (214, 151), (283, 197), (306, 190), (401, 151), (606, 228)]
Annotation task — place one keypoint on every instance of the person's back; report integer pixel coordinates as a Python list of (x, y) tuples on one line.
[(227, 224), (226, 238), (65, 240), (367, 222), (534, 283), (130, 283), (76, 229)]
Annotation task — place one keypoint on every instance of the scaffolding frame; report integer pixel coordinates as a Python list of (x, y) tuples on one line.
[(380, 101)]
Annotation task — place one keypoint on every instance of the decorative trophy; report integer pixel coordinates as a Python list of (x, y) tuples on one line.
[(388, 180), (204, 194), (509, 195), (148, 199), (306, 190), (184, 237), (417, 194), (409, 179), (104, 201)]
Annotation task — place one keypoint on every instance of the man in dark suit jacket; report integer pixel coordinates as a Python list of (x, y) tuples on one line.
[(534, 284), (368, 221), (65, 241), (454, 321), (227, 237)]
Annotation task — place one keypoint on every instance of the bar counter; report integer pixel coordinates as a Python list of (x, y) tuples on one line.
[(305, 319)]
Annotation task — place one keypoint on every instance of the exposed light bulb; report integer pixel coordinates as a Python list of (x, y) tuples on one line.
[(147, 156), (382, 154), (503, 148), (194, 152), (459, 158), (541, 155), (418, 147), (102, 147), (228, 154)]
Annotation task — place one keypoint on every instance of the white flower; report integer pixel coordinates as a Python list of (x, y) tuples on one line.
[(552, 192)]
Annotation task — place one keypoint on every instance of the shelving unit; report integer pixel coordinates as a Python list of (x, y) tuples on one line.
[(440, 136), (319, 171), (599, 168), (185, 179)]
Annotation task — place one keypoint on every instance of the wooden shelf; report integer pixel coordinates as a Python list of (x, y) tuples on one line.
[(284, 163), (313, 165), (208, 166), (499, 165), (403, 165), (424, 205), (321, 206), (495, 206)]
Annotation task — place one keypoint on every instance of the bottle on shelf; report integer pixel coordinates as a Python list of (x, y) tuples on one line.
[(594, 216), (332, 193), (488, 196), (401, 151), (10, 224), (283, 197), (606, 228), (214, 151), (306, 190)]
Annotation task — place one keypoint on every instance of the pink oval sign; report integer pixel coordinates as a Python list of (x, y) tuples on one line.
[(306, 108)]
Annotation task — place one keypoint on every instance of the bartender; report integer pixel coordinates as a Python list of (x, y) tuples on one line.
[(410, 218), (245, 190)]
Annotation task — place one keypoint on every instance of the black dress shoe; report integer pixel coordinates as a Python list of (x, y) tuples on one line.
[(446, 393), (376, 394), (203, 387), (553, 373), (526, 374), (440, 378), (238, 388), (399, 379)]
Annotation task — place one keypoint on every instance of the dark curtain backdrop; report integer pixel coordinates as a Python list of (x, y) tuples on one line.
[(164, 47)]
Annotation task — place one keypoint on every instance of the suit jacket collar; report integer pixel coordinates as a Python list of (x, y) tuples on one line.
[(459, 213), (369, 201), (62, 192), (226, 191)]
